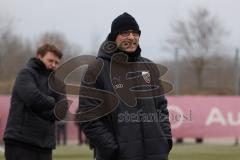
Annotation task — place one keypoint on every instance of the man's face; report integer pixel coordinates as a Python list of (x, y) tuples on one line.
[(50, 60), (128, 40)]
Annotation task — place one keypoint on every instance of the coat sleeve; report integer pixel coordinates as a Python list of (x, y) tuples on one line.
[(96, 131), (161, 105), (101, 138), (47, 115), (29, 93), (59, 97)]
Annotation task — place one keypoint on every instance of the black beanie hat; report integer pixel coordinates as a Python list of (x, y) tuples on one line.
[(123, 22)]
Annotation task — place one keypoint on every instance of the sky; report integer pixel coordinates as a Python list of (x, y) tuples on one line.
[(82, 21)]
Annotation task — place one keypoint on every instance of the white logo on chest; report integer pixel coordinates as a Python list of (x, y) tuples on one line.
[(146, 76)]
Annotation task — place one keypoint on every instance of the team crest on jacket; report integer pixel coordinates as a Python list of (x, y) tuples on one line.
[(146, 77)]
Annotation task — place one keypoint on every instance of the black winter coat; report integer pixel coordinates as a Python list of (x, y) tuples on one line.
[(116, 139), (31, 120)]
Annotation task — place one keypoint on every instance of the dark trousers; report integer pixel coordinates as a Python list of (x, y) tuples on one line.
[(61, 134), (80, 136), (13, 152)]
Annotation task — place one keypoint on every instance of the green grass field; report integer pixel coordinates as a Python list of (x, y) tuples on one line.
[(179, 152)]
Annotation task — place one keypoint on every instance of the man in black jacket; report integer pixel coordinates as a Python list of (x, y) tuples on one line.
[(131, 119), (30, 129)]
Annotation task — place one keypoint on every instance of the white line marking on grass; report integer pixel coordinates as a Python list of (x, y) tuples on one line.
[(2, 149)]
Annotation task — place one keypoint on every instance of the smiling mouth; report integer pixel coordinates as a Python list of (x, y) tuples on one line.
[(128, 44)]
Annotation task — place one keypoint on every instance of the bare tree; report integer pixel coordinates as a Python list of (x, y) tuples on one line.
[(199, 38), (218, 77), (59, 40), (95, 43), (14, 52), (55, 38), (5, 32)]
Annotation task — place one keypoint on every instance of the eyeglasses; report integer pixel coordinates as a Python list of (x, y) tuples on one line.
[(127, 33)]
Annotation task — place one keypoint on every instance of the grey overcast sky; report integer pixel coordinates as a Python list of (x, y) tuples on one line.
[(82, 20)]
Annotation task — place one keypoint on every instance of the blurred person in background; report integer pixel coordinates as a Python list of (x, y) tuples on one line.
[(30, 129), (61, 132)]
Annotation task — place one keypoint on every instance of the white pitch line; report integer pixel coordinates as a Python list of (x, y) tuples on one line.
[(2, 149)]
